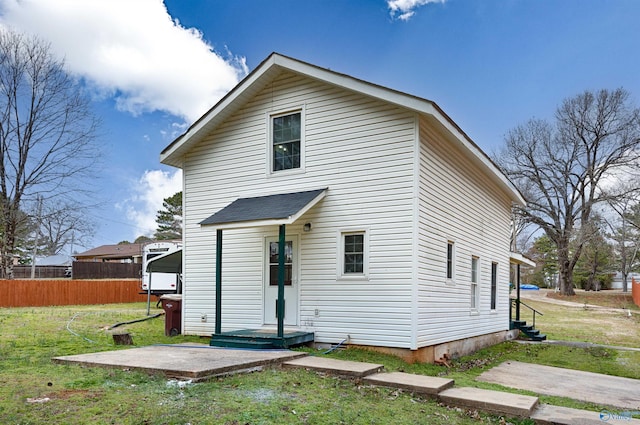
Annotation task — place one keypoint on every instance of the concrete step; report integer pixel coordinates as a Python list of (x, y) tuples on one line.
[(547, 414), (336, 367), (423, 384), (490, 401)]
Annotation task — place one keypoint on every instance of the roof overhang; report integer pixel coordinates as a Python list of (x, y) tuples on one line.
[(269, 210), (170, 262), (517, 258), (275, 64)]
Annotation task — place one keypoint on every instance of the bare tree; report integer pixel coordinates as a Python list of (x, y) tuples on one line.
[(560, 168), (624, 227), (47, 132), (62, 225)]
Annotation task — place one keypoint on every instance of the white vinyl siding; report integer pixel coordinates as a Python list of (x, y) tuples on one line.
[(457, 202), (363, 151)]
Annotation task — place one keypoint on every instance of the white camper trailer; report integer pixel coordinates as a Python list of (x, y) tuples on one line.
[(160, 283)]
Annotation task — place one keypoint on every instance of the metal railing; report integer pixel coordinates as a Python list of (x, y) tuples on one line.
[(517, 303)]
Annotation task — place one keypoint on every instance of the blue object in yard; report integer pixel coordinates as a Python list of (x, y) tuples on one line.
[(529, 287)]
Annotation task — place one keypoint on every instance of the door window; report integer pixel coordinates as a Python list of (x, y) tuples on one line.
[(273, 263)]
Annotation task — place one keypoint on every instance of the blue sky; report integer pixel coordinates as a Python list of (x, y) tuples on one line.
[(153, 67)]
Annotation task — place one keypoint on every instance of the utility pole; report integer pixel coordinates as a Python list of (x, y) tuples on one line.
[(36, 238)]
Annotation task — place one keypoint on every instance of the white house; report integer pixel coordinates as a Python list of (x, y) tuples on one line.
[(396, 225)]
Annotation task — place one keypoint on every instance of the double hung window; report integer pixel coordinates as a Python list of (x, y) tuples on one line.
[(286, 141), (474, 283), (353, 253)]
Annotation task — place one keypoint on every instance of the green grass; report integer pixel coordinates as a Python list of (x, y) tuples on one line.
[(30, 337), (33, 390), (599, 326)]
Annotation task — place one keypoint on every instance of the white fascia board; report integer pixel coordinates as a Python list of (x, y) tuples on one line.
[(517, 258)]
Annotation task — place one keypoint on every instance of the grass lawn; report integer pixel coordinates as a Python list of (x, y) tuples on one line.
[(609, 326), (33, 390)]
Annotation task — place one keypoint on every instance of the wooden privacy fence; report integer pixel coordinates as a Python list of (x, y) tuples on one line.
[(40, 272), (36, 293), (105, 270), (635, 291)]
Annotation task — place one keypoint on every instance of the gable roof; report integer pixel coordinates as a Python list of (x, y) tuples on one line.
[(276, 63)]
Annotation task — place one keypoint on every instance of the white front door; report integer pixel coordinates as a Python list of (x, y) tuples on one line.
[(290, 281)]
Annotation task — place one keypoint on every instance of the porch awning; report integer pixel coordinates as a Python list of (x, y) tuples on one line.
[(265, 210), (517, 258), (166, 263)]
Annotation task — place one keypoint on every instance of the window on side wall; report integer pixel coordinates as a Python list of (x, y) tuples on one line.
[(450, 261), (494, 284), (474, 283), (286, 141), (353, 254)]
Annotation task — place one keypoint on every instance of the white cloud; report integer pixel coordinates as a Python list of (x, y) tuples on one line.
[(132, 50), (148, 193), (405, 9)]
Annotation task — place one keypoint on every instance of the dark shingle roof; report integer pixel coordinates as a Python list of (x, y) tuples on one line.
[(272, 207)]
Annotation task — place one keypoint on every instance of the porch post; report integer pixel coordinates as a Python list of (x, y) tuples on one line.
[(518, 291), (280, 302), (218, 281)]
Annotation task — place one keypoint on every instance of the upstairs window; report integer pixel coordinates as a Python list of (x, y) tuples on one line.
[(286, 141)]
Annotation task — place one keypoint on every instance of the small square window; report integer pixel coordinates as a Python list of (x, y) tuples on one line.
[(286, 140), (352, 255)]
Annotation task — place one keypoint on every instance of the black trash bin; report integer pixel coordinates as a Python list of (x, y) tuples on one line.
[(172, 305)]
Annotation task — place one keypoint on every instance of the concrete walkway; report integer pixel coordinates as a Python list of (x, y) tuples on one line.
[(496, 402), (196, 362), (623, 393), (200, 362)]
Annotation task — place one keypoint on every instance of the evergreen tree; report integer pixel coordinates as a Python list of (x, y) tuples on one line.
[(169, 218)]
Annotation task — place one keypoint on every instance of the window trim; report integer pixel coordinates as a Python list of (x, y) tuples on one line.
[(269, 148), (474, 300), (450, 262), (340, 274)]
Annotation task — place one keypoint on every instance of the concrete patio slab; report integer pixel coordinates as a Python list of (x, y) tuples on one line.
[(333, 366), (584, 386), (547, 414), (490, 401), (183, 361), (423, 384)]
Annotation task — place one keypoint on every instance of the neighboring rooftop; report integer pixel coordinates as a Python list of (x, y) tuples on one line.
[(112, 252)]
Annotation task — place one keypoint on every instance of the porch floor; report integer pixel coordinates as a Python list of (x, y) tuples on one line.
[(260, 338)]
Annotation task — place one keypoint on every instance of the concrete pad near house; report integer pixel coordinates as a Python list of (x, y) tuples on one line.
[(196, 362), (575, 384), (422, 384), (547, 414), (490, 401), (333, 366)]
